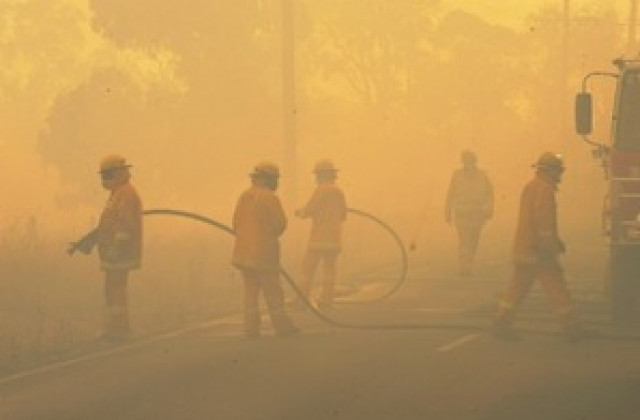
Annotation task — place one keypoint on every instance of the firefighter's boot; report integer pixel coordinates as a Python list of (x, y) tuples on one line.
[(282, 323), (326, 299), (117, 327)]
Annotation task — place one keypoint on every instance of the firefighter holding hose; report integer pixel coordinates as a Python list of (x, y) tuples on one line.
[(258, 223), (327, 210), (119, 241)]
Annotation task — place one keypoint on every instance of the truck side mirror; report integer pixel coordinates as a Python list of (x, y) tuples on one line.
[(584, 113)]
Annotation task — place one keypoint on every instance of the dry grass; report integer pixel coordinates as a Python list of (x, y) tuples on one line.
[(52, 304)]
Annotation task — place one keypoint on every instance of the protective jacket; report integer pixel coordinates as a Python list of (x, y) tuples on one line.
[(470, 194), (258, 221), (327, 209), (537, 230), (119, 233)]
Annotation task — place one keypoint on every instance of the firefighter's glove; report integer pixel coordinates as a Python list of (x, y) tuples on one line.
[(82, 246)]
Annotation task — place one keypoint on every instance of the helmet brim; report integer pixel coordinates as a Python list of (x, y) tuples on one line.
[(113, 168)]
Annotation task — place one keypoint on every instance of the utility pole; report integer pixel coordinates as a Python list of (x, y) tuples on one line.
[(289, 101), (566, 22), (632, 50)]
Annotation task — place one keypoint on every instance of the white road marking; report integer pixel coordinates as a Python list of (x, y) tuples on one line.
[(234, 319), (120, 349), (440, 310), (230, 320), (457, 343), (365, 292)]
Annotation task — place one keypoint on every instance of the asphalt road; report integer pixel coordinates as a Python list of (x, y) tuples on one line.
[(417, 371)]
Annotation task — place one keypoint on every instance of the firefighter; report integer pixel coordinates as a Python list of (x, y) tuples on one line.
[(119, 240), (536, 251), (327, 210), (469, 204), (258, 222)]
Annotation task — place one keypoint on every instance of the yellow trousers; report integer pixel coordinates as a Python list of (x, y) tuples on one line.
[(551, 277), (468, 228), (269, 284), (117, 302), (309, 266)]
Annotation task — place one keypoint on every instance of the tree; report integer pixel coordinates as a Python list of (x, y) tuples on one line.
[(179, 89), (45, 48), (368, 46)]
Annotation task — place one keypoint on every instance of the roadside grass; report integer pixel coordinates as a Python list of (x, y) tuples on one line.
[(52, 304)]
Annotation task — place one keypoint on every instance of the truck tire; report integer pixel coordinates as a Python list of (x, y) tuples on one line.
[(625, 283)]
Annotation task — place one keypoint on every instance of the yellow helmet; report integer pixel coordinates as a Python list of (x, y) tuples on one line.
[(324, 165), (112, 162), (267, 169), (549, 160)]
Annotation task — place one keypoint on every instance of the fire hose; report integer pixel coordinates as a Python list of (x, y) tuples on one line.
[(346, 325), (290, 281)]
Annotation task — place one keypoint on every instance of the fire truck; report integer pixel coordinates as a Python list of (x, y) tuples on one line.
[(620, 158)]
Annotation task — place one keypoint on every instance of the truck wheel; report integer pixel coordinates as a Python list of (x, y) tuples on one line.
[(624, 283)]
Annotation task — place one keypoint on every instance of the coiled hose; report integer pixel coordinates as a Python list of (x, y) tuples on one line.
[(341, 324)]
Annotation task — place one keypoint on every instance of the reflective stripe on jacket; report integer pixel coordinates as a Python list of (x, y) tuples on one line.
[(537, 230), (120, 230), (258, 221), (327, 209)]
